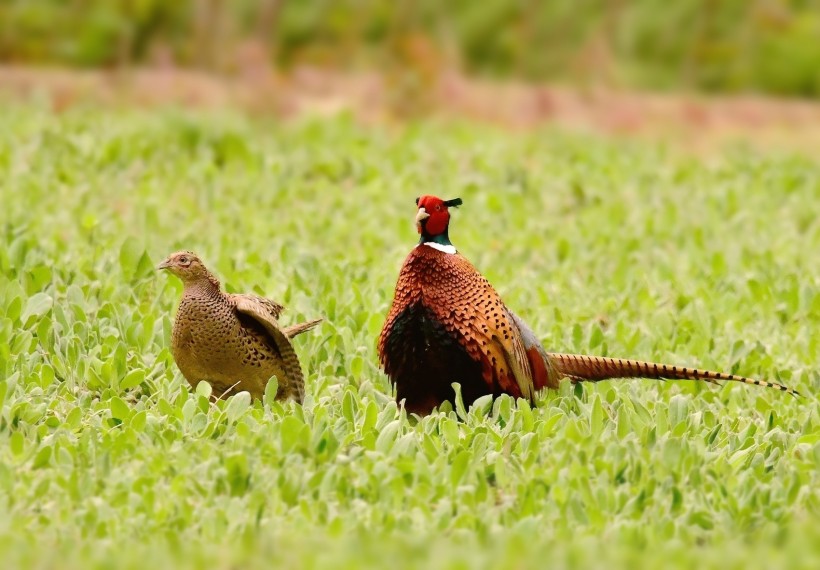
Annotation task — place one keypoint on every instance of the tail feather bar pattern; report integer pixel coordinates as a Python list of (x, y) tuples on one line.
[(593, 368)]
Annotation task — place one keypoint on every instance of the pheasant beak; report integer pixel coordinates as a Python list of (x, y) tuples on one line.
[(164, 265), (421, 215)]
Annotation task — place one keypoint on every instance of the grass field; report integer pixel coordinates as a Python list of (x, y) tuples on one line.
[(605, 247)]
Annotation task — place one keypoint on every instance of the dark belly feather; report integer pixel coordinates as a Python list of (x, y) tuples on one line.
[(424, 359)]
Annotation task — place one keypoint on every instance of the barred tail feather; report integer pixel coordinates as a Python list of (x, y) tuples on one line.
[(580, 367), (294, 330)]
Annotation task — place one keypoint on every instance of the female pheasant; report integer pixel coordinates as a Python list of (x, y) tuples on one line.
[(231, 340), (447, 324)]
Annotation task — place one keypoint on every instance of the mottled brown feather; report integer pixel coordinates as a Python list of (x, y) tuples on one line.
[(287, 362), (269, 306)]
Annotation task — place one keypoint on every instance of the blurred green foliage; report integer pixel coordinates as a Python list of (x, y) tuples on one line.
[(717, 45)]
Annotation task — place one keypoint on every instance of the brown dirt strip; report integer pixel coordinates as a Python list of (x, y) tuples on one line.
[(697, 122)]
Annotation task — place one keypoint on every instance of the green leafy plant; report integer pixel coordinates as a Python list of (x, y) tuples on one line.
[(108, 459)]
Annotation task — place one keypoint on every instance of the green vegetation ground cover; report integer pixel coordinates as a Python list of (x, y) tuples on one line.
[(613, 248)]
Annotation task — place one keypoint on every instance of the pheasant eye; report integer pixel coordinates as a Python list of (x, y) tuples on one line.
[(184, 260)]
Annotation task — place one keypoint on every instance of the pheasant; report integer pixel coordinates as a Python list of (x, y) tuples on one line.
[(447, 324), (231, 340)]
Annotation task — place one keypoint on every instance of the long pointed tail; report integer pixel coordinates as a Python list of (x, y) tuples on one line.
[(580, 368), (293, 330)]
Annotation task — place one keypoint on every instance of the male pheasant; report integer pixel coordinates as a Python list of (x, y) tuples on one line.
[(447, 324), (233, 341)]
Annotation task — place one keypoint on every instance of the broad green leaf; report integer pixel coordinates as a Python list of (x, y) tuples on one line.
[(42, 458), (204, 389), (459, 467), (387, 436), (14, 308), (119, 409), (271, 389), (17, 443), (130, 253), (133, 379), (237, 405), (597, 416), (461, 412), (291, 430), (36, 306)]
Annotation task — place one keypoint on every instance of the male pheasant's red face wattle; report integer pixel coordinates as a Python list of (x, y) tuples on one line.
[(433, 216)]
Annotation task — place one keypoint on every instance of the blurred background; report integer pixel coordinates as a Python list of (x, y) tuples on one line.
[(514, 61)]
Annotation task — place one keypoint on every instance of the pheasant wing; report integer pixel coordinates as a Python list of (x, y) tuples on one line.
[(544, 373), (269, 306), (251, 306), (506, 341), (470, 307)]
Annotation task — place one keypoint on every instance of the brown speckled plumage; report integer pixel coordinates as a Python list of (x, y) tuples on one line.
[(233, 341), (447, 324)]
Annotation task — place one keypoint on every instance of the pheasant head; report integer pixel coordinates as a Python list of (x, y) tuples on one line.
[(433, 218), (189, 268)]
